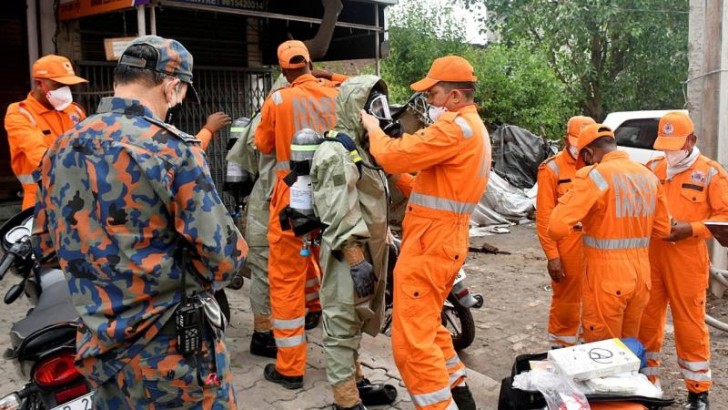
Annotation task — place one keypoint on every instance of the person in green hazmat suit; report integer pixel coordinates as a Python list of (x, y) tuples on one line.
[(350, 199)]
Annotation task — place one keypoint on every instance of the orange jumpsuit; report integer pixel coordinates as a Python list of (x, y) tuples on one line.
[(621, 205), (680, 271), (32, 128), (453, 159), (554, 179), (306, 103)]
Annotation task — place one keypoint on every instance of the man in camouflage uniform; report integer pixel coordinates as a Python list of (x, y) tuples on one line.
[(129, 207)]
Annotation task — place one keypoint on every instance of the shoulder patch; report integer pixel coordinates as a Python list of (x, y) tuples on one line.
[(277, 97), (173, 130)]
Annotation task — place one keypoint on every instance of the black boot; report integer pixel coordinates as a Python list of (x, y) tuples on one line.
[(376, 394), (463, 398), (697, 401), (359, 406), (312, 320), (263, 344), (289, 382)]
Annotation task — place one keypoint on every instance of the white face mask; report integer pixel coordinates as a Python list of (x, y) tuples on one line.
[(674, 158), (60, 98), (435, 112), (573, 151)]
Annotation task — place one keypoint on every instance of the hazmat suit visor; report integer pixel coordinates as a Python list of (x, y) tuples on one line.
[(378, 106)]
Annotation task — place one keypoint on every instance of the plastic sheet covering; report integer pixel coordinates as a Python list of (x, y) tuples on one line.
[(517, 153), (503, 203)]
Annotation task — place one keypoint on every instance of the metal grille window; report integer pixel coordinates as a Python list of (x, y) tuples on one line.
[(237, 91)]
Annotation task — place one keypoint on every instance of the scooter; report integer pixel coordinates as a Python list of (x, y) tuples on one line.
[(43, 343), (456, 315)]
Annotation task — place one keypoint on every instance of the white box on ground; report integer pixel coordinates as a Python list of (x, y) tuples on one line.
[(598, 359)]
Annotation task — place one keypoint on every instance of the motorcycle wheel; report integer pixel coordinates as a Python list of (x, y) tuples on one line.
[(458, 319), (222, 300)]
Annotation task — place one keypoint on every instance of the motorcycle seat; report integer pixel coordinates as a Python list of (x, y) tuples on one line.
[(54, 308)]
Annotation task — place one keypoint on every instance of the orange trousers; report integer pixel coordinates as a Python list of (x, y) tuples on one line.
[(432, 253), (565, 312), (615, 292), (293, 280), (680, 275)]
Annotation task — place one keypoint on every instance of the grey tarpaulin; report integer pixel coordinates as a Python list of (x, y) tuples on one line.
[(503, 203), (517, 154)]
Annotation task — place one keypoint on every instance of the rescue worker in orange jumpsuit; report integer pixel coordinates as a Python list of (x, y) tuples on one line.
[(565, 257), (621, 206), (452, 158), (36, 122), (307, 103), (697, 190)]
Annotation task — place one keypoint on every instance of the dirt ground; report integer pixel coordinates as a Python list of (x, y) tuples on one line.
[(514, 318)]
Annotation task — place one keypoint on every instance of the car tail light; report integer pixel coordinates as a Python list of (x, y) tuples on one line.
[(71, 393), (56, 371)]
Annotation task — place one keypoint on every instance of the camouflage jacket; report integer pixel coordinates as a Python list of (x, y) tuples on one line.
[(123, 196)]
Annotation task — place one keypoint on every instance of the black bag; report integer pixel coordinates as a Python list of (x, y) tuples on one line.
[(517, 153), (511, 398)]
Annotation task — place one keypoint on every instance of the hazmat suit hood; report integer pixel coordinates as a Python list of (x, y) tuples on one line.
[(353, 96)]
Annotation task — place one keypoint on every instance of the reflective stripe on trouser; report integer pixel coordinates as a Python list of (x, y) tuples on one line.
[(341, 324), (432, 252), (313, 284), (455, 368), (287, 272), (680, 275), (565, 312), (614, 294)]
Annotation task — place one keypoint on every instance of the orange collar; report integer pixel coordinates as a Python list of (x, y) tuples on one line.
[(614, 155), (35, 105), (303, 79)]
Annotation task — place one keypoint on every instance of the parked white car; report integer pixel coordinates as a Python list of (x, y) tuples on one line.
[(636, 132)]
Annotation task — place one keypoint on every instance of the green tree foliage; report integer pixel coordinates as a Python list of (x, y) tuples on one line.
[(516, 85), (612, 55)]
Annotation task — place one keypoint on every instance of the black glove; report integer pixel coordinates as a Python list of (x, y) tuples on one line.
[(364, 280)]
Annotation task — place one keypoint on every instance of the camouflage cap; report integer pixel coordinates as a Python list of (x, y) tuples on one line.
[(172, 59)]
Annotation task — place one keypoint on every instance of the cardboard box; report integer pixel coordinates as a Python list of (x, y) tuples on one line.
[(598, 359)]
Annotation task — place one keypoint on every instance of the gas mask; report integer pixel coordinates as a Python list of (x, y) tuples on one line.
[(173, 110), (378, 106), (674, 158), (60, 98)]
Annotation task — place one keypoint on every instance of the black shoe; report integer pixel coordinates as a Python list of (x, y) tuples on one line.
[(263, 344), (697, 401), (463, 398), (312, 320), (376, 394), (289, 382), (359, 406)]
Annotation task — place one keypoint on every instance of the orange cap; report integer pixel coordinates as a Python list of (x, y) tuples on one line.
[(56, 68), (673, 130), (574, 127), (290, 49), (450, 68), (589, 134)]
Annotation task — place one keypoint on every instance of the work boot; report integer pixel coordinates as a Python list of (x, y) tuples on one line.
[(359, 406), (289, 382), (463, 398), (312, 320), (263, 344), (697, 401), (376, 394)]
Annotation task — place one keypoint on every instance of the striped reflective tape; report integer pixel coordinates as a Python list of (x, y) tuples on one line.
[(289, 324), (442, 204), (426, 399), (613, 244), (292, 341), (26, 179)]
